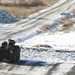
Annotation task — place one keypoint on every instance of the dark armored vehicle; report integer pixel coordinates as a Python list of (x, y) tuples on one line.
[(9, 51)]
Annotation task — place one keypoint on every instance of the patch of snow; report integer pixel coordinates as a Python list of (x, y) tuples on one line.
[(57, 41), (48, 55)]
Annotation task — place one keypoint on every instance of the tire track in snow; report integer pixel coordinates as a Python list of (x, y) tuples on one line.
[(63, 69), (52, 69), (36, 23), (72, 71), (47, 13), (34, 69), (38, 16), (20, 68), (33, 25), (11, 67)]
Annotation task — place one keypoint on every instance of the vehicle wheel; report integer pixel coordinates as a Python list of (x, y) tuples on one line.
[(1, 59), (14, 59)]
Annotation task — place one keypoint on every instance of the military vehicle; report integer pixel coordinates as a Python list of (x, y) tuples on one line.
[(9, 51)]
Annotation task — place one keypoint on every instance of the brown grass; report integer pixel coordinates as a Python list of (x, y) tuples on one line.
[(66, 21), (67, 24), (45, 27), (23, 9), (72, 11)]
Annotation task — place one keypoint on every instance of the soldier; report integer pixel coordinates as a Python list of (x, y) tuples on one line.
[(4, 45), (11, 43), (11, 46)]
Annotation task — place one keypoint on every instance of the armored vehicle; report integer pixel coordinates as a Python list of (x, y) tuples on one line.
[(9, 51)]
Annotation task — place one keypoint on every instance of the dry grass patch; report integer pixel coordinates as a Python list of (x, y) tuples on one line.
[(45, 27), (66, 21), (23, 9), (67, 24), (72, 11)]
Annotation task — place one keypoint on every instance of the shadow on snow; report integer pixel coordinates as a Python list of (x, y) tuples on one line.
[(29, 63)]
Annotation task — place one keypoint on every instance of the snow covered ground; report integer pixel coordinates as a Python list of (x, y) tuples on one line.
[(47, 42)]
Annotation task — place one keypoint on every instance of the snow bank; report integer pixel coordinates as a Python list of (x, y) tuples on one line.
[(6, 18), (60, 40)]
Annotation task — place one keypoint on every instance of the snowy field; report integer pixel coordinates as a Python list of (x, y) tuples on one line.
[(46, 39)]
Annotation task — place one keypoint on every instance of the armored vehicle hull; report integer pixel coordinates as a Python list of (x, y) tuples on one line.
[(10, 54)]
